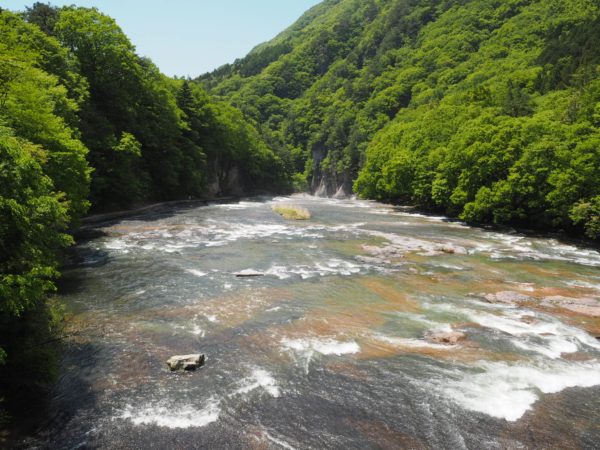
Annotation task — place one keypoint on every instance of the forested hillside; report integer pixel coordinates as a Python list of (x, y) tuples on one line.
[(88, 125), (486, 110)]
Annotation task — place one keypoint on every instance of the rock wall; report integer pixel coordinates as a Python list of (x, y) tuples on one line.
[(325, 183)]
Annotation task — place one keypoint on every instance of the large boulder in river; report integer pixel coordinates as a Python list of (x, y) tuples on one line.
[(185, 362), (445, 337)]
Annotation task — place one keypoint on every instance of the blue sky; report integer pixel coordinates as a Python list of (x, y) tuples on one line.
[(187, 37)]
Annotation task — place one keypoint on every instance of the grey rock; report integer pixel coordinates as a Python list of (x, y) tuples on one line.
[(506, 297), (249, 273), (186, 362), (447, 338)]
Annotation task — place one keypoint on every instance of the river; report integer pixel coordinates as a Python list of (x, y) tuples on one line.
[(335, 346)]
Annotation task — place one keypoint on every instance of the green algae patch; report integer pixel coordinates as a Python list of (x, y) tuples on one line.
[(292, 212)]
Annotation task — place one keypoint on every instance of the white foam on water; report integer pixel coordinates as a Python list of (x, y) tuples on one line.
[(451, 266), (509, 246), (175, 416), (281, 272), (196, 330), (117, 244), (197, 273), (216, 243), (421, 318), (583, 284), (442, 328), (346, 203), (407, 244), (330, 267), (259, 378), (544, 335), (323, 346), (279, 442), (512, 324), (554, 348), (546, 327), (236, 206), (508, 391), (211, 234), (211, 318), (410, 343), (555, 337), (175, 248)]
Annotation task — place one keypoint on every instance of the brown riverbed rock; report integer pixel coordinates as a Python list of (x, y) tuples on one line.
[(585, 306), (185, 362), (577, 357), (452, 249), (446, 338), (529, 319)]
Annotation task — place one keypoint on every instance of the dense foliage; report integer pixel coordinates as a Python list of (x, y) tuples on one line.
[(85, 122), (484, 109)]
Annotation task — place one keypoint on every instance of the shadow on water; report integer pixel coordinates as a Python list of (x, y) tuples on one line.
[(159, 211), (85, 257), (46, 421)]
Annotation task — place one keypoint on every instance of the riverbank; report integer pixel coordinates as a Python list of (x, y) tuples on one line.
[(114, 215)]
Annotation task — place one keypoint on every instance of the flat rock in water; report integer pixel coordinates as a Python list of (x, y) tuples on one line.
[(185, 362), (249, 273), (387, 251), (506, 297), (584, 306), (447, 338)]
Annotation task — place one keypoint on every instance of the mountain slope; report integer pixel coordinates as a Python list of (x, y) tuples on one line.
[(486, 109)]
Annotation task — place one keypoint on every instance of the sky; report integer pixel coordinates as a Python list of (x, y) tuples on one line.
[(191, 37)]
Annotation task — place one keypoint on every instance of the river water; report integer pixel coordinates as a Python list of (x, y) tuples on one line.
[(329, 349)]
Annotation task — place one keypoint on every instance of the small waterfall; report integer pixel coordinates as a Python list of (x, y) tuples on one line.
[(321, 190)]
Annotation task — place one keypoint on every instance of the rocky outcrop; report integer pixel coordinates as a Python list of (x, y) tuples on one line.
[(225, 181), (506, 297), (403, 245), (328, 183), (185, 362), (384, 252), (584, 306), (446, 338)]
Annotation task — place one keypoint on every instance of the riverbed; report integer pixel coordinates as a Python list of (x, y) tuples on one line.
[(335, 346)]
